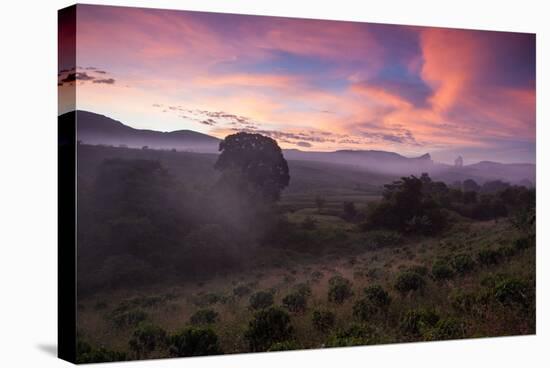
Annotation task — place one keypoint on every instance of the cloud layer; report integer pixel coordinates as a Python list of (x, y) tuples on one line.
[(311, 84)]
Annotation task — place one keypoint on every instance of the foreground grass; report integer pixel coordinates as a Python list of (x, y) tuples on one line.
[(467, 303)]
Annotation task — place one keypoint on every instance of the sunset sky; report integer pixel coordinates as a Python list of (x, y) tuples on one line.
[(310, 84)]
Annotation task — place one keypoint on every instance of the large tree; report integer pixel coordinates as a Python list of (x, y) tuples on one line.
[(258, 159)]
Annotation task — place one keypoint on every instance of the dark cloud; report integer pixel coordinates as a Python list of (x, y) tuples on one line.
[(400, 136), (303, 144), (72, 77), (208, 122), (207, 117), (105, 81), (81, 74)]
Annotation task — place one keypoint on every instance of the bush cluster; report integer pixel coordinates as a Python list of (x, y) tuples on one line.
[(269, 326), (261, 300), (409, 281), (339, 290), (194, 341), (323, 320), (204, 317)]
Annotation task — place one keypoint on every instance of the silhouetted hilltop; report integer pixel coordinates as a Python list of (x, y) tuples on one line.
[(96, 129)]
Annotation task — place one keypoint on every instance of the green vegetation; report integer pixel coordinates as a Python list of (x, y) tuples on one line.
[(339, 290), (146, 339), (409, 281), (194, 342), (268, 327), (182, 259), (323, 320), (204, 317), (295, 302), (261, 299)]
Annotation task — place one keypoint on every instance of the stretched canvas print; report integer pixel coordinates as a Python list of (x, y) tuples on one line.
[(237, 183)]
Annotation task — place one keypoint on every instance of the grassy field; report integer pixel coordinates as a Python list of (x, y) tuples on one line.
[(171, 306), (475, 279)]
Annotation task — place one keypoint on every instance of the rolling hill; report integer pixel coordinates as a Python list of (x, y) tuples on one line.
[(96, 129)]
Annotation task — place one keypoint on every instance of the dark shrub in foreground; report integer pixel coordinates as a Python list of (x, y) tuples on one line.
[(409, 281), (204, 317), (261, 299), (87, 354), (512, 292), (377, 296), (194, 342), (364, 309), (462, 264), (339, 290), (442, 271), (146, 339), (295, 302), (323, 320), (269, 326), (448, 329), (524, 242), (488, 257), (356, 334), (417, 322)]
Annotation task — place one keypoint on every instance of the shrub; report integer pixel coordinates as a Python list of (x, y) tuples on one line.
[(303, 289), (524, 242), (421, 270), (463, 302), (488, 257), (323, 320), (417, 322), (194, 341), (409, 281), (261, 300), (383, 238), (284, 345), (507, 251), (86, 354), (462, 264), (203, 300), (146, 339), (127, 318), (204, 317), (448, 329), (364, 309), (317, 275), (441, 271), (295, 302), (512, 291), (339, 290), (268, 327), (377, 296), (241, 290), (354, 335)]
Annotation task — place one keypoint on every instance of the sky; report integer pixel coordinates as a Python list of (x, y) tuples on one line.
[(313, 85)]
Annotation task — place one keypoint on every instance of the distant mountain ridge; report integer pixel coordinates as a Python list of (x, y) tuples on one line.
[(94, 128), (97, 129)]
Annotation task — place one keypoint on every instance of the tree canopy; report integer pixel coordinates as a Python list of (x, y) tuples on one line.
[(258, 159)]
